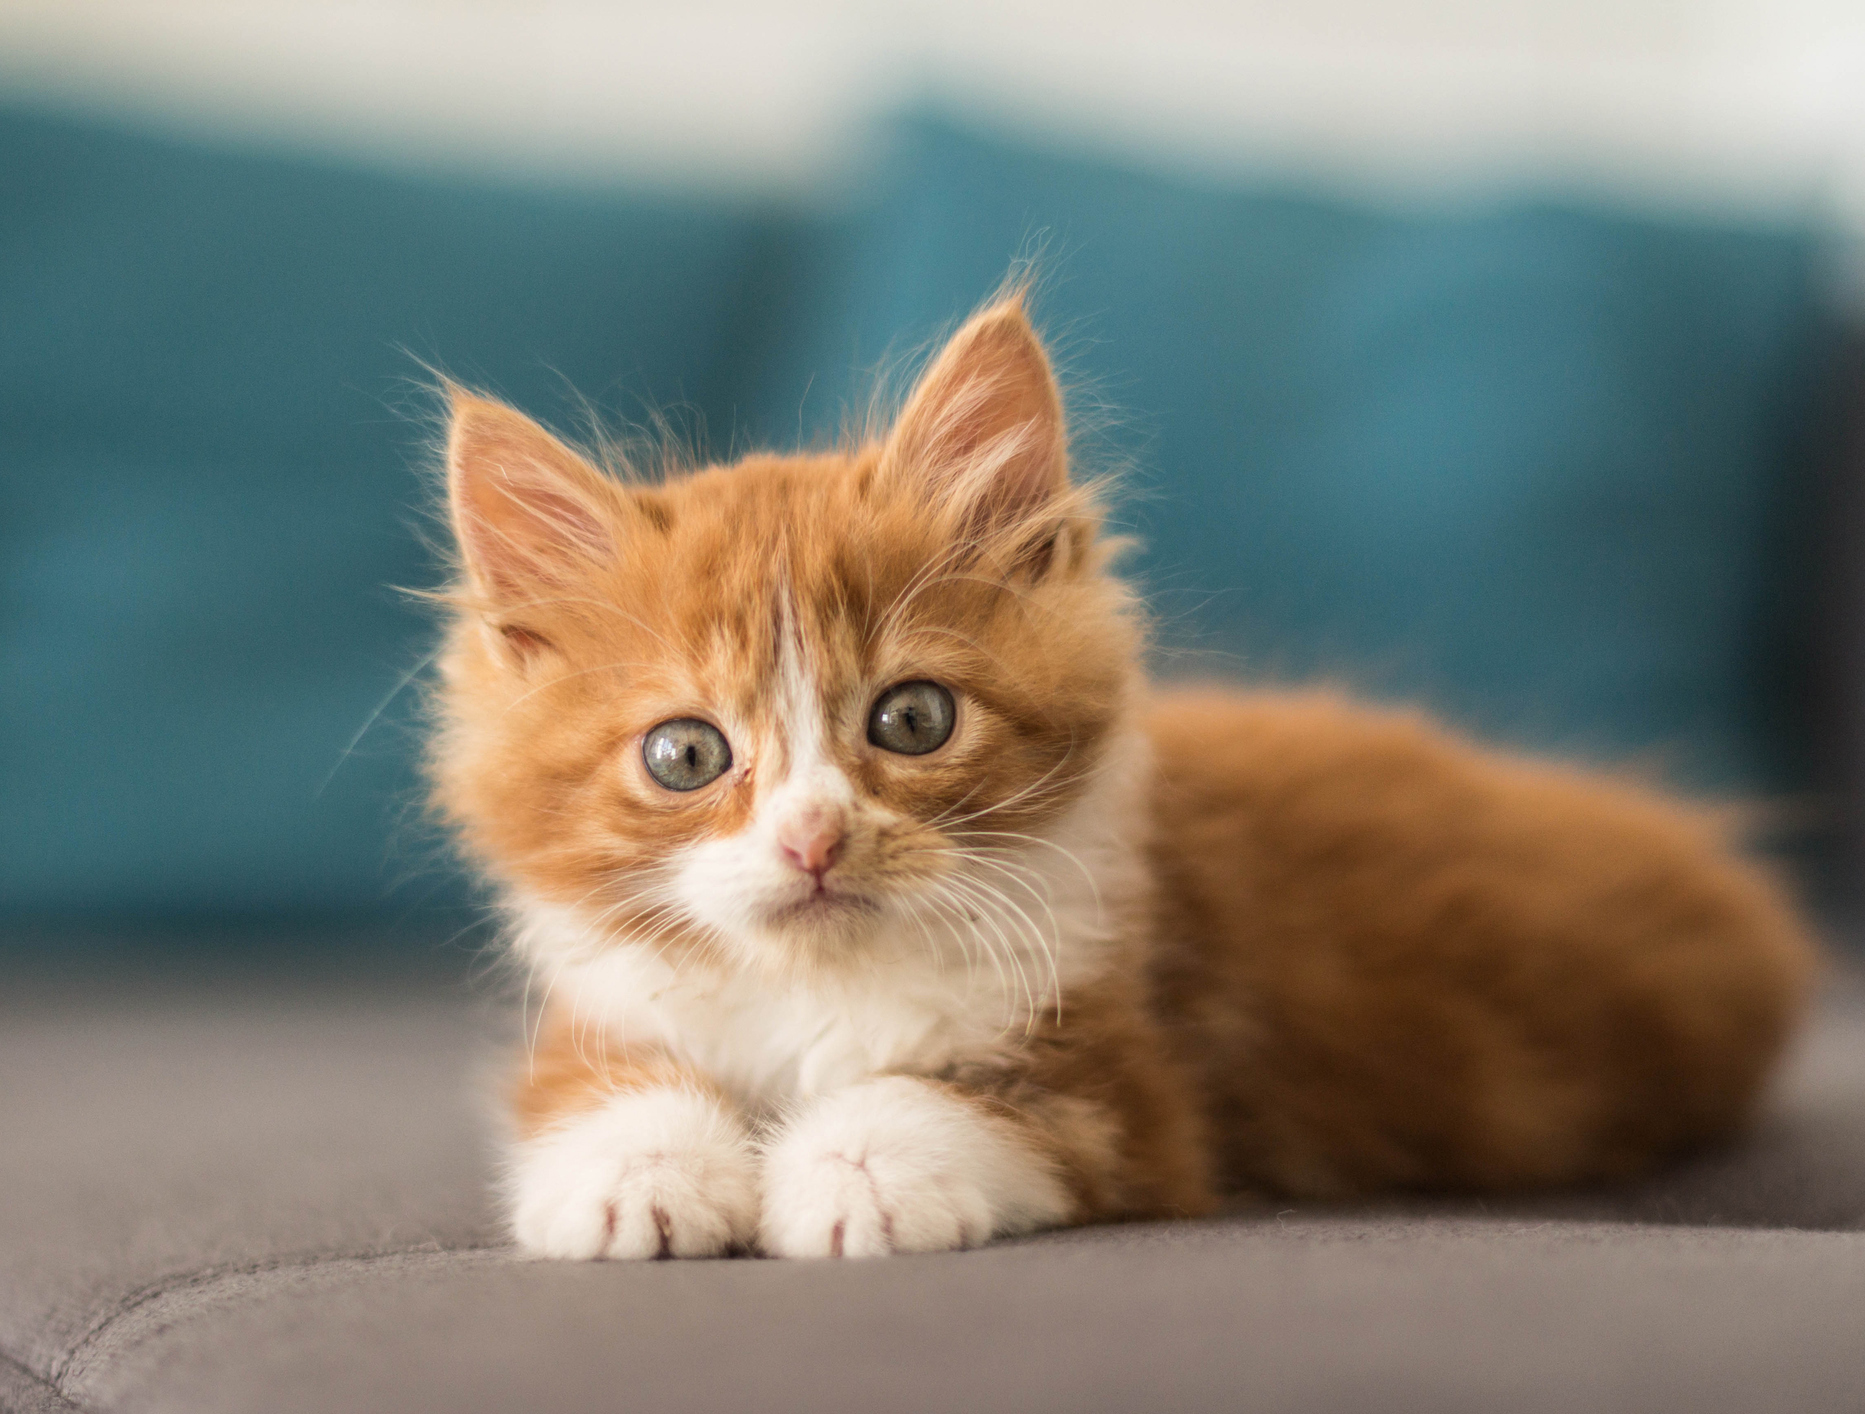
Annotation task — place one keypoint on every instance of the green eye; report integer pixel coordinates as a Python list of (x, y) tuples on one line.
[(912, 718), (686, 754)]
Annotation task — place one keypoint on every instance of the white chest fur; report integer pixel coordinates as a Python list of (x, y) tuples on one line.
[(769, 1041)]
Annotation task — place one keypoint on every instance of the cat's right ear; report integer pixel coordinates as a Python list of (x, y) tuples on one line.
[(527, 511)]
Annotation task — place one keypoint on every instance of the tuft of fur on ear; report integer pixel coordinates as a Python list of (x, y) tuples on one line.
[(982, 437), (527, 511)]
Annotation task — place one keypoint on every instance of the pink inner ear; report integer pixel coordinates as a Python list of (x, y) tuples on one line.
[(983, 431), (526, 509), (523, 642)]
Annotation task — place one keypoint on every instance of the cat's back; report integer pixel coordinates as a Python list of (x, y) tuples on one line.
[(1396, 958)]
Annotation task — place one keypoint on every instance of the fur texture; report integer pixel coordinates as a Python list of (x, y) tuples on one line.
[(1102, 952)]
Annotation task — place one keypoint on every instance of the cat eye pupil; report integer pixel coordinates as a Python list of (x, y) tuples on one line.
[(912, 718), (686, 754)]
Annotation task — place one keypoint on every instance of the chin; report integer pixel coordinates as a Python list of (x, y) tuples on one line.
[(822, 928)]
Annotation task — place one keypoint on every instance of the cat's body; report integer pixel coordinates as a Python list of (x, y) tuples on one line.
[(878, 904), (1395, 960)]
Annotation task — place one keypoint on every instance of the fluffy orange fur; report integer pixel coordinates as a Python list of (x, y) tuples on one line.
[(1324, 950)]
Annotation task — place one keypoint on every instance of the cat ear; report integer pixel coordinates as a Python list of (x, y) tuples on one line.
[(983, 432), (527, 511)]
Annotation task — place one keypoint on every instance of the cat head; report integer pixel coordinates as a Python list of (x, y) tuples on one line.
[(789, 711)]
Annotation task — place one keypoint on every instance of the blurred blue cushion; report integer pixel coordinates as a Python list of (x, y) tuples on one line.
[(1541, 467), (210, 485)]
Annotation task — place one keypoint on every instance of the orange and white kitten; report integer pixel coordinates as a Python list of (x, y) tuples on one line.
[(882, 906)]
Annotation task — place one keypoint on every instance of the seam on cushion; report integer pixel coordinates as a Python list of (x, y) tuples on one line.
[(125, 1307), (48, 1395)]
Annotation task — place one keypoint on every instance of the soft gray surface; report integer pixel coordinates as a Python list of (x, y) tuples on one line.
[(272, 1198)]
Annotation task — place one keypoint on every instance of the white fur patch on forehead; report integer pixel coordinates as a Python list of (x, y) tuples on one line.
[(801, 712)]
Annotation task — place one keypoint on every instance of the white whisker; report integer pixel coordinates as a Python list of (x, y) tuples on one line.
[(1045, 945)]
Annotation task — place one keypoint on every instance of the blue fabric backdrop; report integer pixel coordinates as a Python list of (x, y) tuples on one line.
[(1542, 466)]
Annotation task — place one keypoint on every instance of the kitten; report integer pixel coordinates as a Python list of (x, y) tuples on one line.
[(881, 906)]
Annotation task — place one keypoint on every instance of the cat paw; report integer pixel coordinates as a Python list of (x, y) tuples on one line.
[(896, 1165), (653, 1173)]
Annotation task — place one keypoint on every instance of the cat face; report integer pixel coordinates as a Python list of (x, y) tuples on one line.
[(791, 712)]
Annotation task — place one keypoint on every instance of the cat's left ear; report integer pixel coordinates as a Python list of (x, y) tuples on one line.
[(982, 437)]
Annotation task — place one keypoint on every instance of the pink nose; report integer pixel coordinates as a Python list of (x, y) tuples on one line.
[(812, 839)]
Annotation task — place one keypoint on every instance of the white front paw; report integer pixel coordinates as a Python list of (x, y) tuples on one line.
[(896, 1165), (868, 1203), (652, 1173)]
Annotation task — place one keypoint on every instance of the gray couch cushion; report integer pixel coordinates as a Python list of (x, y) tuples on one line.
[(273, 1197)]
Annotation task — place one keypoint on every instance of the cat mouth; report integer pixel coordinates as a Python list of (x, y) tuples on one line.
[(823, 904)]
